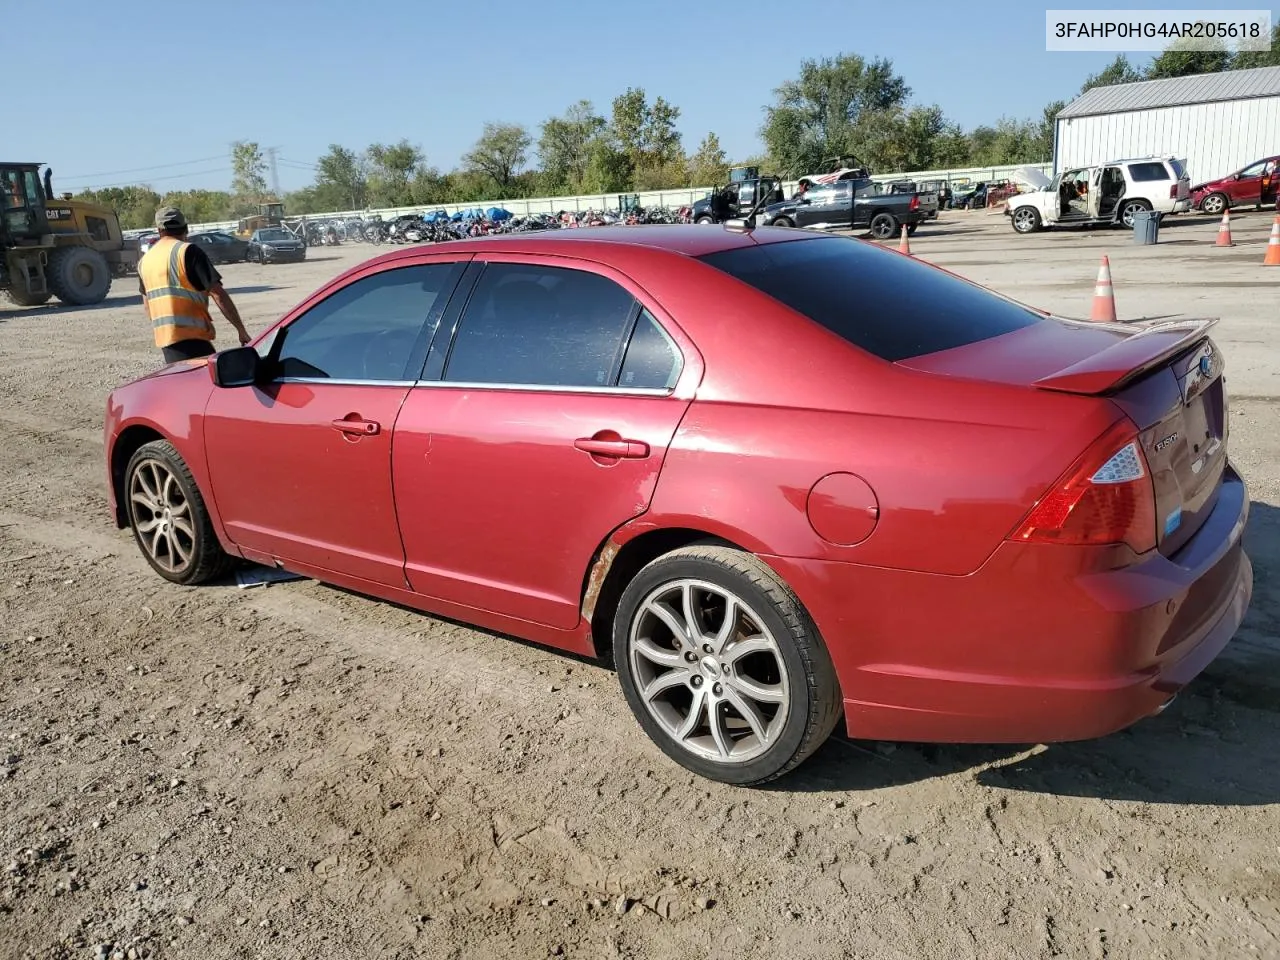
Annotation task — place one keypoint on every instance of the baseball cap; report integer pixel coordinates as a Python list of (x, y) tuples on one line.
[(170, 218)]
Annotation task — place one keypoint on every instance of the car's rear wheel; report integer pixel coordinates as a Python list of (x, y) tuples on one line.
[(782, 222), (1130, 210), (168, 517), (884, 226), (722, 666), (1025, 219), (704, 220), (1214, 204)]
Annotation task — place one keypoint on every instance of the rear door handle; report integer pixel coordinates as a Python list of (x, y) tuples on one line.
[(354, 425), (625, 449)]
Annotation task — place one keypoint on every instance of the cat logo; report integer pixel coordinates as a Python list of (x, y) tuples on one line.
[(57, 213)]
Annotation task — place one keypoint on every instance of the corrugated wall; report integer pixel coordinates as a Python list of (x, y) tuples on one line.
[(1215, 138)]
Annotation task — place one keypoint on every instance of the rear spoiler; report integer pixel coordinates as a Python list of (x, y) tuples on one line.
[(1129, 359)]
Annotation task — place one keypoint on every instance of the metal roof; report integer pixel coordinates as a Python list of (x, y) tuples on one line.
[(1175, 92)]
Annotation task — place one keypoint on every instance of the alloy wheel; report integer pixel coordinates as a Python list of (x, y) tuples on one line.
[(709, 671), (162, 515)]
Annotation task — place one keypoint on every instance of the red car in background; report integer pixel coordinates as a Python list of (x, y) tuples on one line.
[(775, 477), (1255, 186)]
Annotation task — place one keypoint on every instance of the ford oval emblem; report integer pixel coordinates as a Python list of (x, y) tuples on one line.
[(1206, 365)]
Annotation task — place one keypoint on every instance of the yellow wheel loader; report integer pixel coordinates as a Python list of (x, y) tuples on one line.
[(56, 246)]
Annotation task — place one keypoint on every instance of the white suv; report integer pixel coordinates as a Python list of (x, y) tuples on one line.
[(1109, 192)]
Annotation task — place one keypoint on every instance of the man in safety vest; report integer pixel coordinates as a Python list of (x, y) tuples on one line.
[(177, 280)]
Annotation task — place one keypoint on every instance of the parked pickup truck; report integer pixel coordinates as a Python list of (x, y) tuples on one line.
[(849, 204)]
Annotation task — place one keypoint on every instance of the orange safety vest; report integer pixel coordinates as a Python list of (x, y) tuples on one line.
[(178, 310)]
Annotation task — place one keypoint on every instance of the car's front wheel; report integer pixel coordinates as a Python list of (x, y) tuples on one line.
[(722, 666), (1025, 219), (1214, 204), (168, 517)]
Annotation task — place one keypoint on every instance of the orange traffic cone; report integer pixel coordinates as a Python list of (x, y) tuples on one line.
[(1224, 231), (904, 245), (1272, 258), (1104, 300)]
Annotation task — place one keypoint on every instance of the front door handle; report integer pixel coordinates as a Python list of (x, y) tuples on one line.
[(624, 449), (352, 424)]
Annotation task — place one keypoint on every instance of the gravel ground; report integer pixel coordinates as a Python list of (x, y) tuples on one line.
[(294, 771)]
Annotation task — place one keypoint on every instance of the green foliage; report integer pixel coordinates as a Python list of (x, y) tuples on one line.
[(708, 167), (1249, 59), (499, 154), (248, 176)]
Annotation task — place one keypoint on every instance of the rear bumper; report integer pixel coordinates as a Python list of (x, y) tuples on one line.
[(1182, 206), (1028, 649)]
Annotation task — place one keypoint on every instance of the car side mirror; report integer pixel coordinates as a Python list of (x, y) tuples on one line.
[(237, 367)]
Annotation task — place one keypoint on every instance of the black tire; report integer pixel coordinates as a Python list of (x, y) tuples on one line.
[(1127, 211), (20, 298), (704, 220), (79, 276), (1025, 219), (207, 560), (782, 222), (1215, 203), (884, 226), (813, 694)]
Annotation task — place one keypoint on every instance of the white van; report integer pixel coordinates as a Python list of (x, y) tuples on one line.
[(1109, 193)]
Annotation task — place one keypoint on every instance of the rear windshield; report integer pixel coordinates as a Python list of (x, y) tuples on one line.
[(1179, 171), (876, 299)]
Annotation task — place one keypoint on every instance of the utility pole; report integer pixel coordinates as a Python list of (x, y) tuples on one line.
[(275, 174)]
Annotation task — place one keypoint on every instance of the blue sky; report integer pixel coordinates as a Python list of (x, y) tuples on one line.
[(300, 75)]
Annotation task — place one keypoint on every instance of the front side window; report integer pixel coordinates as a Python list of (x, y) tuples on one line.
[(1255, 170), (528, 325), (368, 329)]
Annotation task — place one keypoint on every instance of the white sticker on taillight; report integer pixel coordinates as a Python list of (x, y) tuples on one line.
[(1123, 467)]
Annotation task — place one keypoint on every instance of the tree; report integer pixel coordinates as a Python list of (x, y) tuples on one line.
[(134, 205), (708, 167), (1248, 59), (345, 174), (391, 170), (1119, 70), (647, 139), (201, 206), (500, 153), (829, 110), (1177, 62), (564, 147), (248, 173)]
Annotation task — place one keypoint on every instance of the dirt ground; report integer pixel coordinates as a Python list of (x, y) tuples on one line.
[(293, 771)]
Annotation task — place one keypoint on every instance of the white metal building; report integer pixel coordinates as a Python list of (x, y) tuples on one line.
[(1217, 122)]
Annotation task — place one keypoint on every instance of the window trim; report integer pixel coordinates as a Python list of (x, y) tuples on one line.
[(279, 334), (462, 296)]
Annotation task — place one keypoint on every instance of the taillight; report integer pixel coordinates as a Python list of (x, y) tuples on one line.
[(1173, 192), (1106, 497), (915, 202)]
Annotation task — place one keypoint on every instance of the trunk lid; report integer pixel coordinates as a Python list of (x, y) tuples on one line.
[(1165, 376)]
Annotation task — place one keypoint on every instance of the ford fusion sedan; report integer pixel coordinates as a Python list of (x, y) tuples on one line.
[(780, 480)]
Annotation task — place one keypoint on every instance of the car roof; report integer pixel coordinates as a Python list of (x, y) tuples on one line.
[(682, 239)]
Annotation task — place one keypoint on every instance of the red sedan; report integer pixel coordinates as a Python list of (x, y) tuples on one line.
[(775, 477)]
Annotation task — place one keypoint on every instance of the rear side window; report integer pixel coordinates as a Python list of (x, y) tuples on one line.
[(652, 361), (1147, 172), (528, 325), (887, 304)]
